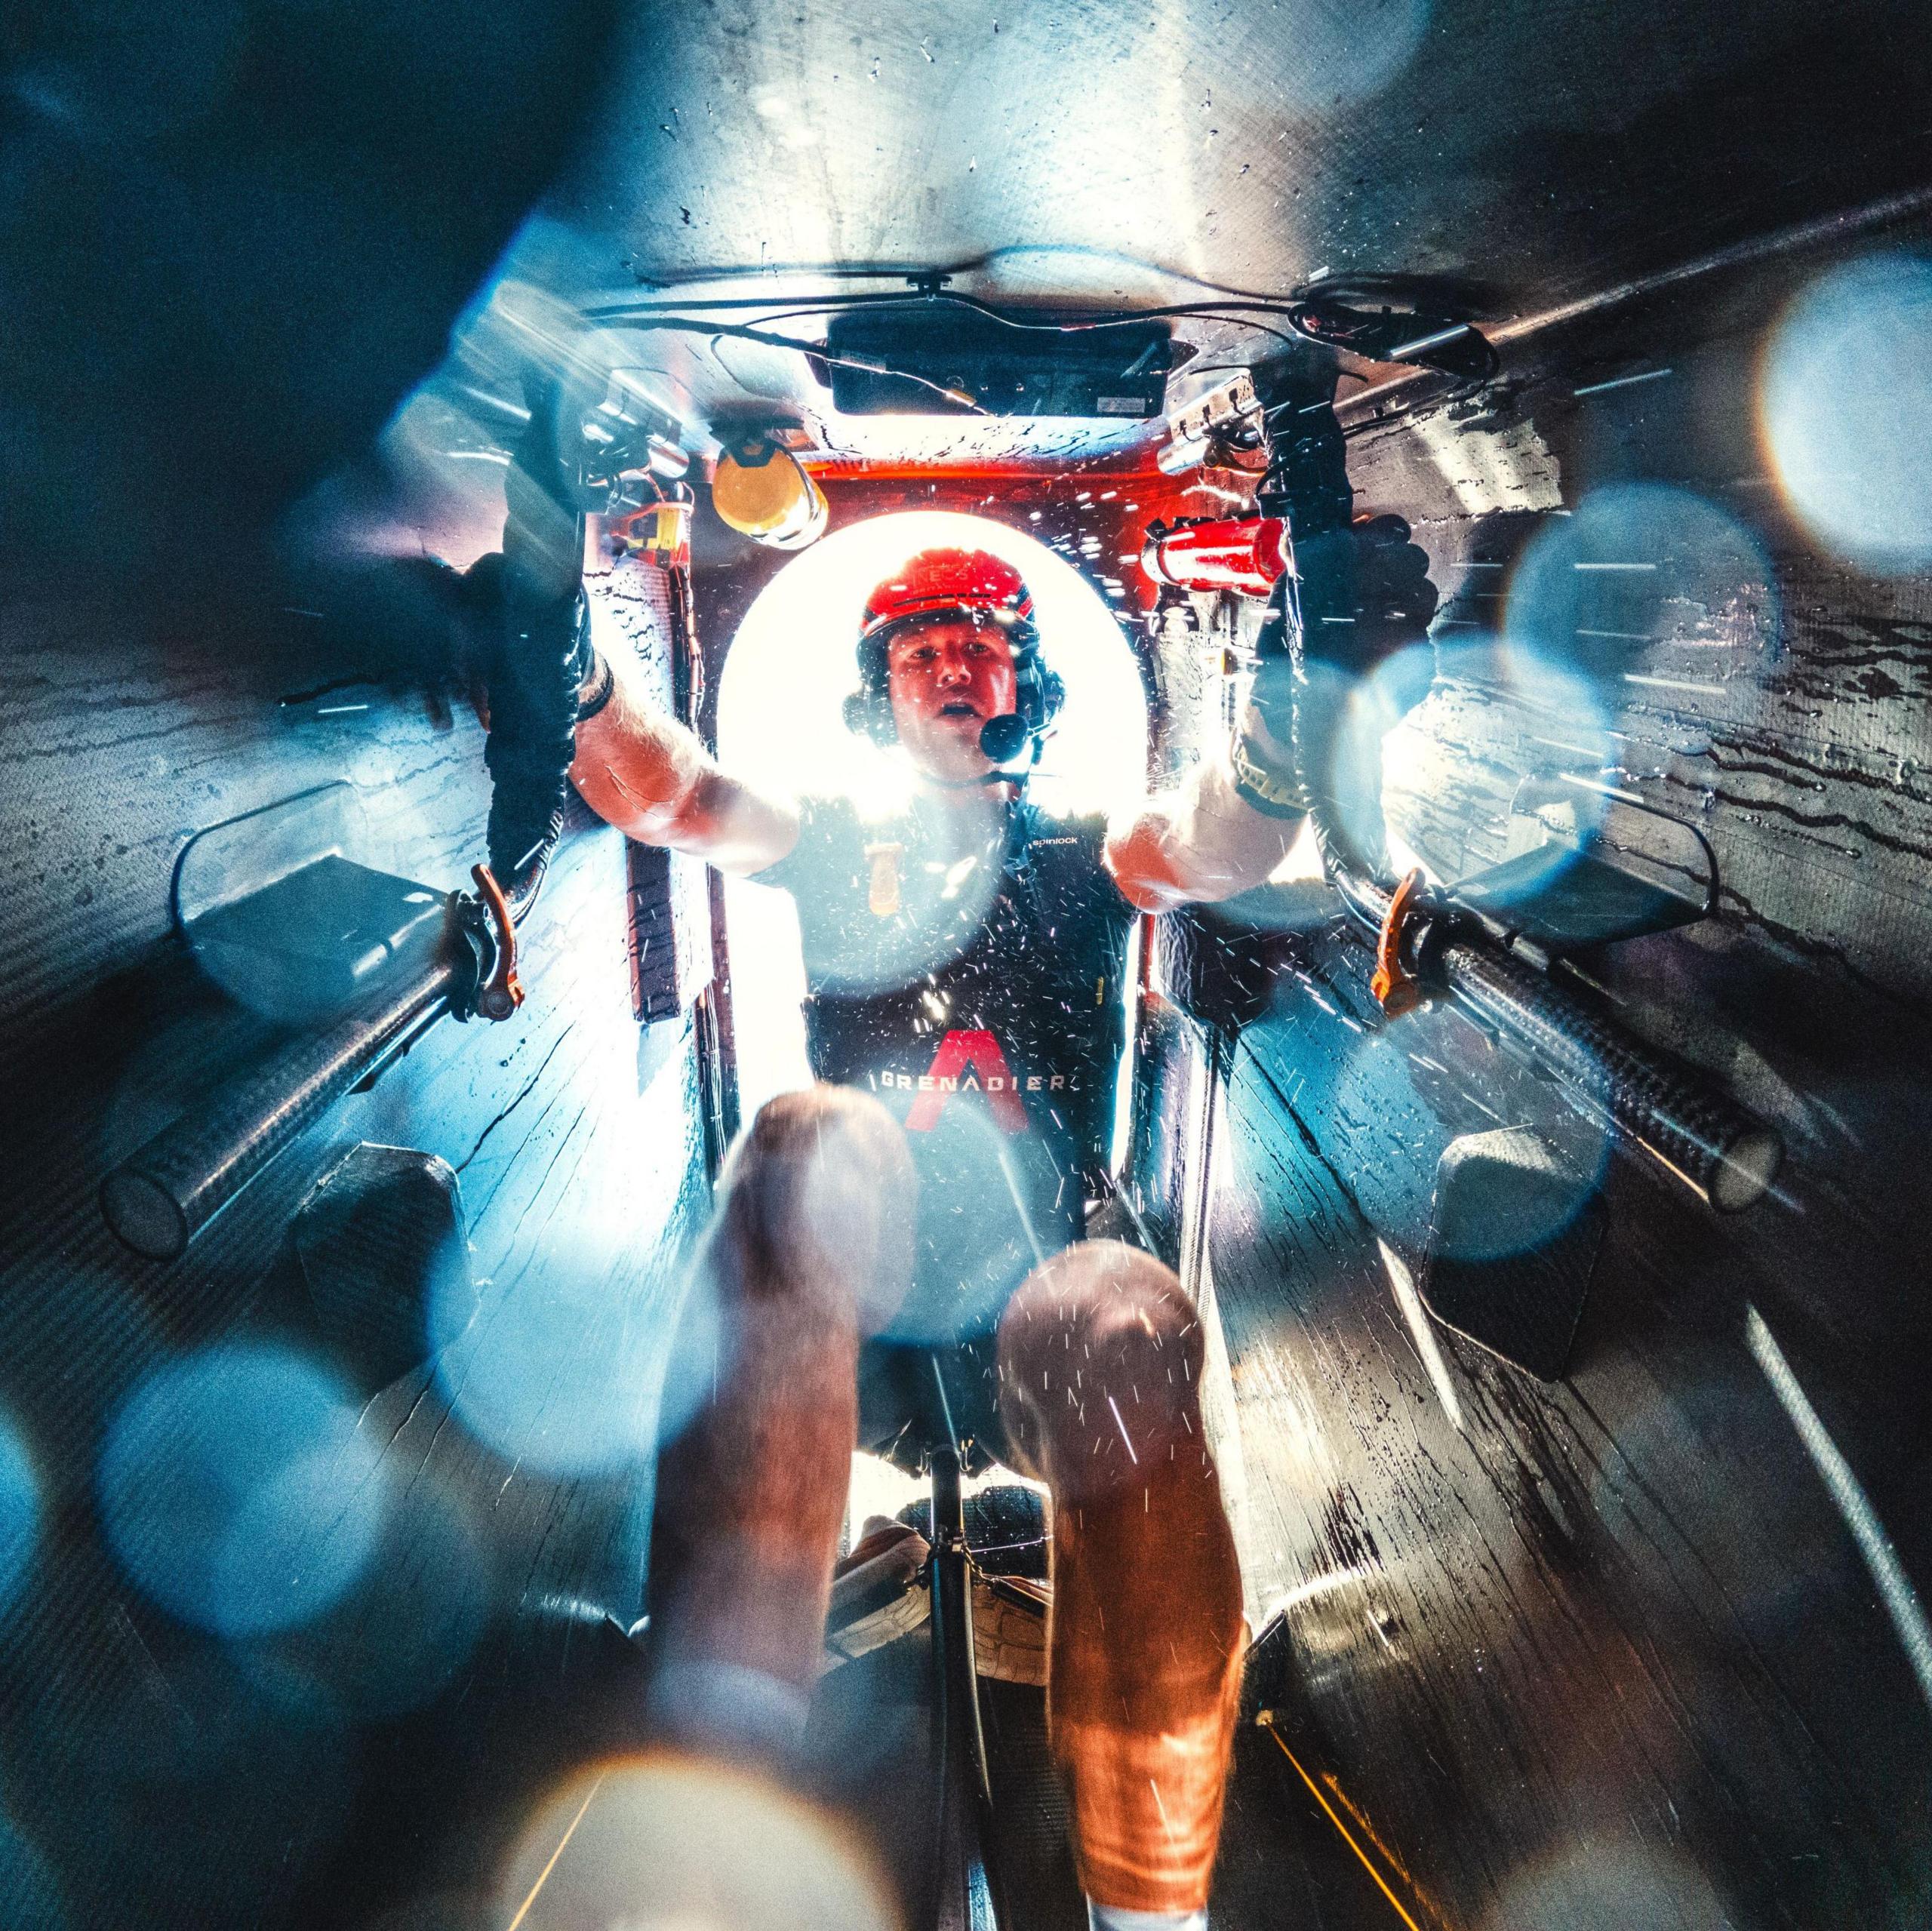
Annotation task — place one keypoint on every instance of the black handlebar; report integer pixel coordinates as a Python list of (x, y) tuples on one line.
[(159, 1198)]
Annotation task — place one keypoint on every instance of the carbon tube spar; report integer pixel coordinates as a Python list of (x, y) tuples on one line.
[(965, 1778), (159, 1198), (1725, 1153), (1728, 1156)]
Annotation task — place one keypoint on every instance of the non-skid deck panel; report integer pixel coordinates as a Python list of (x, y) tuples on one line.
[(1609, 1650), (151, 1772), (1611, 1631)]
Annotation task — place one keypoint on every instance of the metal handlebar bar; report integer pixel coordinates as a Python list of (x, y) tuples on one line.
[(160, 1197), (1725, 1154)]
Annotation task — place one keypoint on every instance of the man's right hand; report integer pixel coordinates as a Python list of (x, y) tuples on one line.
[(533, 658), (415, 625)]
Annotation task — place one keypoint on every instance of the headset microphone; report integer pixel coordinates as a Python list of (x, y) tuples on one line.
[(1002, 739)]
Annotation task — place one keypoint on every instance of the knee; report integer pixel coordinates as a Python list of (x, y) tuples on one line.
[(1103, 1301), (821, 1137), (821, 1184), (790, 1124), (1100, 1320)]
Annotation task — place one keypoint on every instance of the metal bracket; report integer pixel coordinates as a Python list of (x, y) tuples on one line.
[(486, 925)]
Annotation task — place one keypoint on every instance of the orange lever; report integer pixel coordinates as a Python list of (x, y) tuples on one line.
[(1396, 990), (501, 993)]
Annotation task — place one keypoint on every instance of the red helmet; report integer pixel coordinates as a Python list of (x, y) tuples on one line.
[(937, 582), (940, 582)]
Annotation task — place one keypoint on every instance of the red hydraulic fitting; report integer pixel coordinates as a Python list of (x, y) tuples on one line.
[(1244, 554)]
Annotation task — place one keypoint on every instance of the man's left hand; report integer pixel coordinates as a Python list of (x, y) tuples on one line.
[(1394, 602)]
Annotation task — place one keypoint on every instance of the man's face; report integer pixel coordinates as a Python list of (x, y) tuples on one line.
[(945, 679)]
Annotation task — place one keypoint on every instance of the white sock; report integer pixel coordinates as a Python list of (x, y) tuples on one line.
[(1112, 1917)]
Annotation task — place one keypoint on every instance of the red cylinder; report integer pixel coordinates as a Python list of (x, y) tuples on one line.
[(1245, 554)]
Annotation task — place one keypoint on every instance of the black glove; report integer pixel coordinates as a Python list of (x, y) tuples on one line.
[(532, 661), (522, 663), (1361, 595), (1393, 600)]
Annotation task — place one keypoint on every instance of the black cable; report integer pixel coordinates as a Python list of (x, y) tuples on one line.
[(915, 284), (737, 332), (1237, 312), (1261, 328), (1248, 368), (1470, 385), (1217, 309)]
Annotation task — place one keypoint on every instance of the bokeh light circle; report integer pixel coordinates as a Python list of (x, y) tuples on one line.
[(678, 1843), (945, 885), (1638, 566), (1566, 712), (1844, 399), (413, 1620), (1392, 1090), (1342, 720), (236, 1492), (520, 1376)]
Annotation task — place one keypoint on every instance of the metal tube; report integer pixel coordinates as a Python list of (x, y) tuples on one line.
[(962, 1739), (157, 1199), (1245, 554), (1725, 1154)]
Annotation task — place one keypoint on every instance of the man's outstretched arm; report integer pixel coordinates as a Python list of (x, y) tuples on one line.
[(1201, 844), (649, 776), (1306, 741)]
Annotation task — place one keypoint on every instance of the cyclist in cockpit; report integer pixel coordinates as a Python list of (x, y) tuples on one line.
[(897, 1256)]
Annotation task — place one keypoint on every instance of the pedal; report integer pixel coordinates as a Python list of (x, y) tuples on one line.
[(1010, 1629), (878, 1594)]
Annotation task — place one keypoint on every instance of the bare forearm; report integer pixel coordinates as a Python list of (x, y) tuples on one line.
[(1199, 845), (649, 776)]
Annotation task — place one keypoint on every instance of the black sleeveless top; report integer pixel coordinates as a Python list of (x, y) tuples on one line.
[(963, 963)]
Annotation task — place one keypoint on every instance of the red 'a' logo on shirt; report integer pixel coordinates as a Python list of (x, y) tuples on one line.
[(968, 1062)]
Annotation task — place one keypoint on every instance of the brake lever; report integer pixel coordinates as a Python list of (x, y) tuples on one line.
[(486, 929)]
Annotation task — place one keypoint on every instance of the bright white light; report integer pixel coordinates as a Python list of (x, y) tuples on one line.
[(792, 664), (781, 722), (879, 1487), (1845, 404)]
